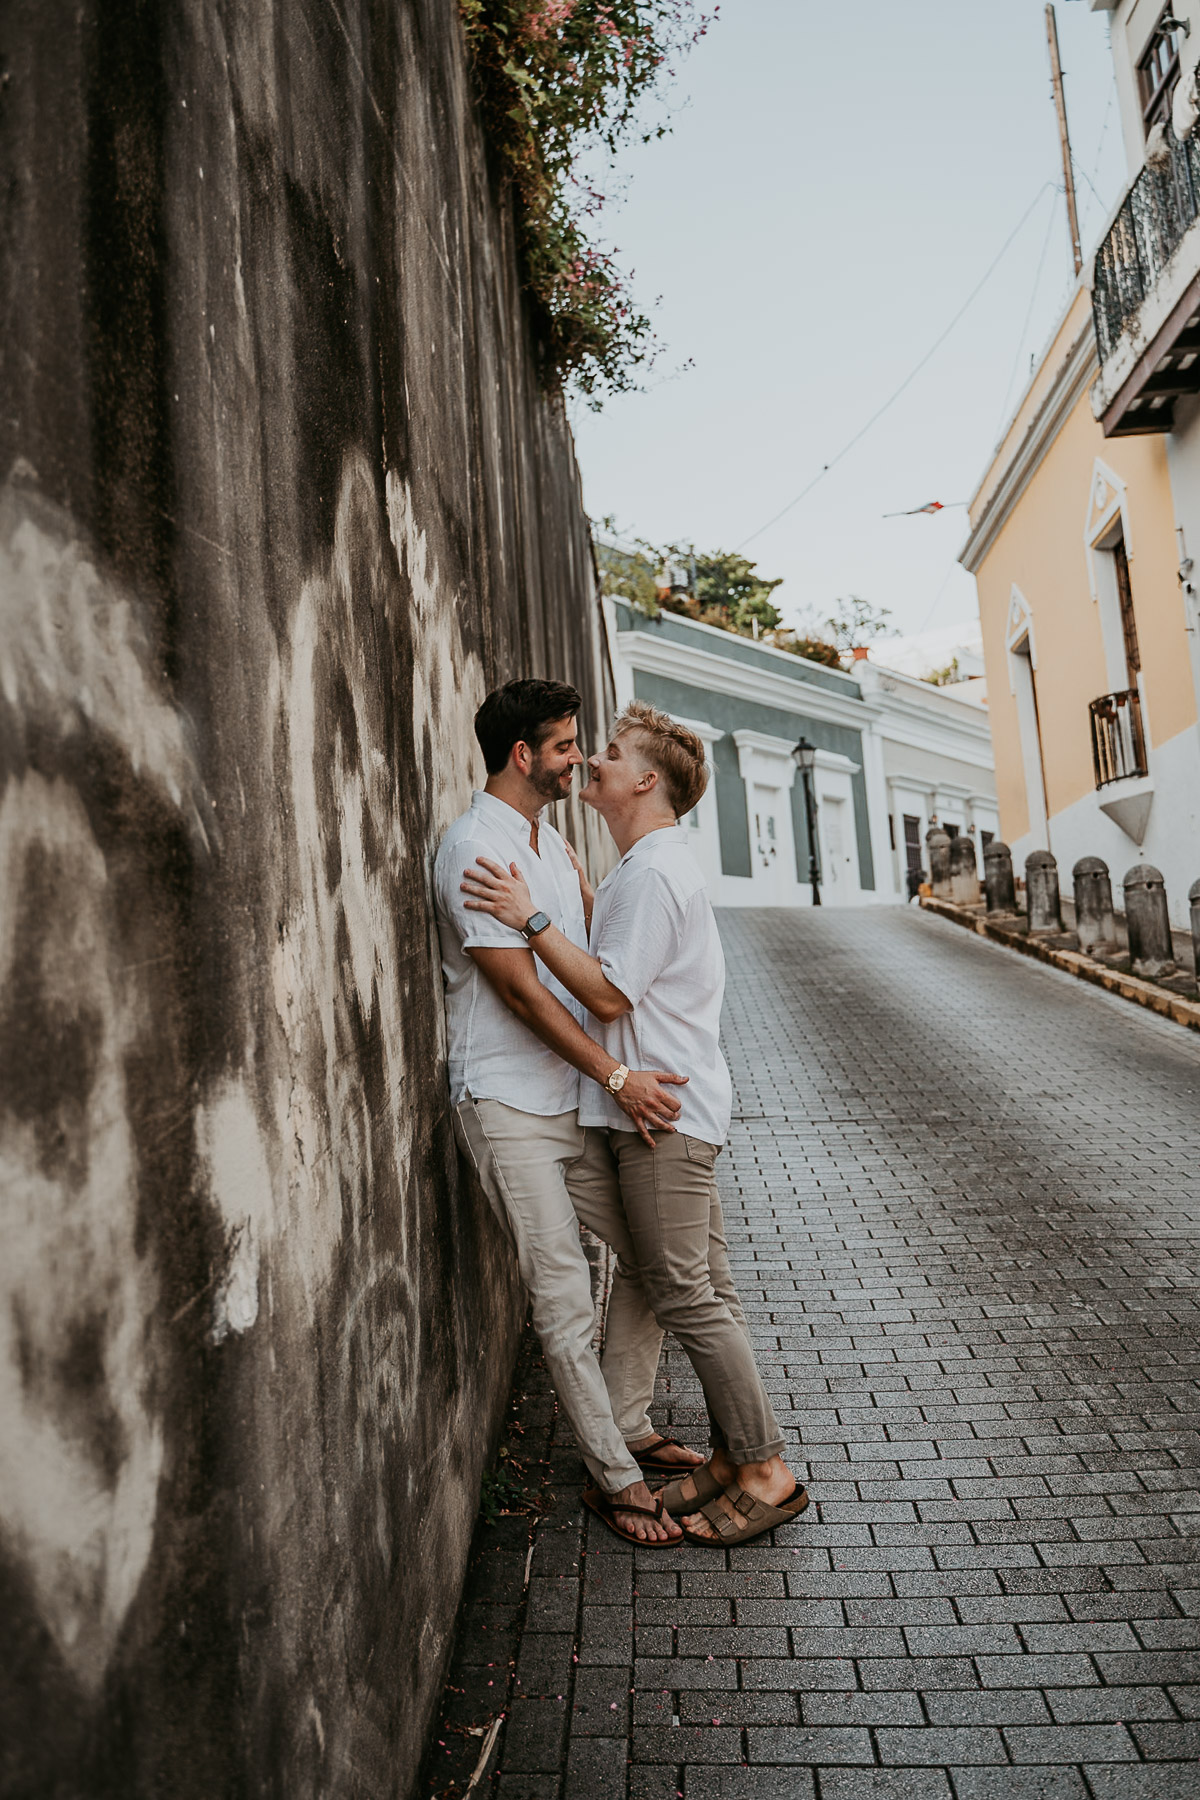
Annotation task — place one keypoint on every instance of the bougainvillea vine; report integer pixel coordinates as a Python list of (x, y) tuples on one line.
[(559, 81)]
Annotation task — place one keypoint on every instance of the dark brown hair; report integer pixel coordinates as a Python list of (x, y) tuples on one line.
[(521, 712)]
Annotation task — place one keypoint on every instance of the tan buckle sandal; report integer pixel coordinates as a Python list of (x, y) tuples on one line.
[(754, 1517), (707, 1488)]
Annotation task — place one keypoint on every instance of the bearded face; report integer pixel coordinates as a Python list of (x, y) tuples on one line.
[(553, 765)]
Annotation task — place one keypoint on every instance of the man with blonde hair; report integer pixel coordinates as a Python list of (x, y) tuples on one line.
[(653, 980)]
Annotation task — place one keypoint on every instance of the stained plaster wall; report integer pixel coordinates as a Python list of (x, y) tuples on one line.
[(281, 496)]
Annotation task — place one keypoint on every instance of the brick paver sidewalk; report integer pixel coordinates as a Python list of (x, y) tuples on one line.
[(963, 1194)]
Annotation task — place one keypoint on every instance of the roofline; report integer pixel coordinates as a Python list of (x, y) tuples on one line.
[(1079, 368)]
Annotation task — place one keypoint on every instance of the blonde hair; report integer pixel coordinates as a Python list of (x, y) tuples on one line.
[(676, 753)]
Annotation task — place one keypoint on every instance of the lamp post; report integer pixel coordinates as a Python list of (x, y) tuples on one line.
[(805, 757)]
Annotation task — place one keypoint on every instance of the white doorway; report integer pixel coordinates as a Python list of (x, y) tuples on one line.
[(771, 843), (768, 772), (836, 872)]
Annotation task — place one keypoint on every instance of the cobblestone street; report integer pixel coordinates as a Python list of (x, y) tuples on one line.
[(963, 1196)]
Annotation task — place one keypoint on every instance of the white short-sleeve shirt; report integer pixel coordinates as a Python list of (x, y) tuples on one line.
[(492, 1055), (655, 936)]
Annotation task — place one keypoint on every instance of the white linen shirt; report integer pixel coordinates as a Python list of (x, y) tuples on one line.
[(655, 936), (492, 1054)]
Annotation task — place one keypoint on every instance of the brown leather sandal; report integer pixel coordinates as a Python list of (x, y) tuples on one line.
[(648, 1460), (606, 1508), (754, 1517), (707, 1488)]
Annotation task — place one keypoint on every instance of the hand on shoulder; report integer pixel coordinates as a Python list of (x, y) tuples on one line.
[(499, 891)]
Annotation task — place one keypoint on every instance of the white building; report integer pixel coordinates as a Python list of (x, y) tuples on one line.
[(937, 763), (893, 755)]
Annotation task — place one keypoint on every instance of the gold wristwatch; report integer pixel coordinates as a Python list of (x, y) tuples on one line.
[(617, 1079)]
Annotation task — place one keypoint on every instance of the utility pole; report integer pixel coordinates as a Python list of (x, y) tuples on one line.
[(1060, 107)]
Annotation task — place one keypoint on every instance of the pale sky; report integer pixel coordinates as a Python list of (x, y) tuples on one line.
[(840, 175)]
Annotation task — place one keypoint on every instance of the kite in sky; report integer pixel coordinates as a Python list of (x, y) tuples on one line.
[(930, 506)]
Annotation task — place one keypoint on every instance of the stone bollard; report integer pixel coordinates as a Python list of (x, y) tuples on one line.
[(1095, 925), (964, 870), (1194, 906), (998, 878), (937, 844), (1041, 892), (1151, 951)]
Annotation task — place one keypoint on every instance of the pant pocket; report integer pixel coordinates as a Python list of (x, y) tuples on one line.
[(700, 1152)]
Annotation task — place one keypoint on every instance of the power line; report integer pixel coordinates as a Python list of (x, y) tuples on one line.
[(1037, 282), (1093, 187), (937, 598), (908, 379), (1091, 179)]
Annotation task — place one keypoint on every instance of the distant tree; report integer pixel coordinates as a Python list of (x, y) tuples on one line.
[(855, 621), (717, 587), (728, 582)]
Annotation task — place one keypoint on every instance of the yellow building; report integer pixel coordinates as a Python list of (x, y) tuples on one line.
[(1079, 546)]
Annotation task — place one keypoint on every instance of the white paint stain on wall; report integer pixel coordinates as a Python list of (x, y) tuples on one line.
[(289, 1184), (337, 945), (74, 656), (234, 1156), (81, 1435), (81, 1445)]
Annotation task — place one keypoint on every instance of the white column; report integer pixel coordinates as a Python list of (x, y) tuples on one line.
[(877, 816)]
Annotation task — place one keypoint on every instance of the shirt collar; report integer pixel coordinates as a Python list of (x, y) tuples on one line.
[(666, 834), (502, 814)]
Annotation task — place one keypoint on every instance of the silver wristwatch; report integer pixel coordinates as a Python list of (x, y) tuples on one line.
[(617, 1079), (536, 922)]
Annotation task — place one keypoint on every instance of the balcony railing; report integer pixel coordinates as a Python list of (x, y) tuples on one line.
[(1118, 742), (1156, 212)]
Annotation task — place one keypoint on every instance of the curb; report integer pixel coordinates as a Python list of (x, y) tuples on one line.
[(1074, 962)]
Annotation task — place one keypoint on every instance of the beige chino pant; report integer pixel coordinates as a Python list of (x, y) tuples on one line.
[(521, 1160), (660, 1211)]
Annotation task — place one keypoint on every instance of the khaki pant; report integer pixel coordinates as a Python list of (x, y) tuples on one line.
[(521, 1160), (660, 1211)]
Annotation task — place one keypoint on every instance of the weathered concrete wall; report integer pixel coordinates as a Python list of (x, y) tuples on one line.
[(281, 497)]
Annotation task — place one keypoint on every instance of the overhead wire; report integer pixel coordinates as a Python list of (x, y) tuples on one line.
[(1094, 194), (937, 598), (1091, 182), (1091, 179), (1092, 185), (1037, 282), (910, 377)]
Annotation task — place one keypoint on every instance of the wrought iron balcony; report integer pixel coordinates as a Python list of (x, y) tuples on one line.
[(1132, 264), (1118, 741)]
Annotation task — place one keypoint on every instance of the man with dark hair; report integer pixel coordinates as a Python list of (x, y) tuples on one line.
[(653, 976), (523, 711), (517, 1048)]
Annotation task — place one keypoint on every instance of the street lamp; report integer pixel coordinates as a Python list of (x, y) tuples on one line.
[(804, 756)]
